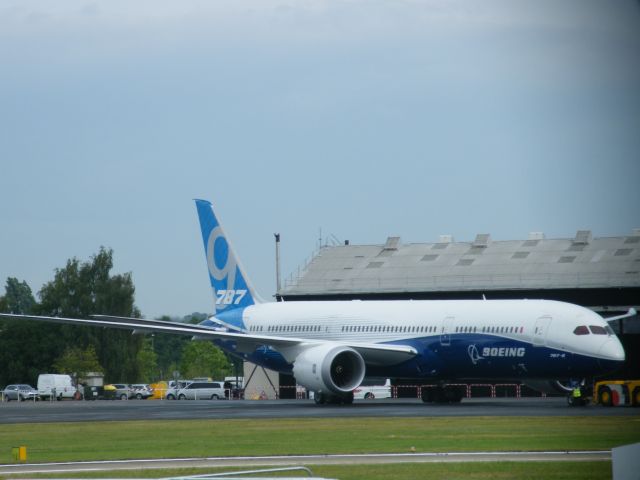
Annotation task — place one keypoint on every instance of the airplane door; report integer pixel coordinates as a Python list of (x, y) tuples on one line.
[(445, 337), (540, 331)]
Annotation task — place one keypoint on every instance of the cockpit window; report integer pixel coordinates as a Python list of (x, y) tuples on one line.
[(581, 330), (609, 330), (597, 330)]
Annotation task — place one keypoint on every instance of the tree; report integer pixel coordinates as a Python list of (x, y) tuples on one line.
[(147, 362), (81, 289), (203, 359), (18, 297), (78, 362), (19, 362)]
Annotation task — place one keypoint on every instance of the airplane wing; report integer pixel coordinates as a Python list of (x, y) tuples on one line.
[(372, 353)]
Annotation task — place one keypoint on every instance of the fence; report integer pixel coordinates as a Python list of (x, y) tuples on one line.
[(472, 390)]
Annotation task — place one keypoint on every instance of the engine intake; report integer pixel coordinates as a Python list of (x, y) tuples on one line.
[(329, 368)]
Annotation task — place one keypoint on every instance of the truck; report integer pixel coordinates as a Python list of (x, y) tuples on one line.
[(617, 393), (52, 385)]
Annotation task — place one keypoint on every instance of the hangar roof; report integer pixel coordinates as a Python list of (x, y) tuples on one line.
[(536, 263)]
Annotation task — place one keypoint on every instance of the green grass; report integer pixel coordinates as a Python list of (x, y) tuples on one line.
[(200, 438), (451, 471)]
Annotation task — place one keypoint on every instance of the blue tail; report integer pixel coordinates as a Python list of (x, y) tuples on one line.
[(232, 292)]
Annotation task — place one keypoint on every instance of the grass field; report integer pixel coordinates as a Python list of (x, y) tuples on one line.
[(206, 438), (450, 471)]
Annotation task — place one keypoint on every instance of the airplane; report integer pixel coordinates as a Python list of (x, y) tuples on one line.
[(330, 347)]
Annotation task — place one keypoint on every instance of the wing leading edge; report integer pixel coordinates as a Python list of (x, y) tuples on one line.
[(372, 353)]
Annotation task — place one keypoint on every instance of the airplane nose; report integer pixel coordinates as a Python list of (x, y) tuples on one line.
[(612, 350)]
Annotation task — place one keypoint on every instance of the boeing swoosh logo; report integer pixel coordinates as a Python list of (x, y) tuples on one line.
[(474, 354)]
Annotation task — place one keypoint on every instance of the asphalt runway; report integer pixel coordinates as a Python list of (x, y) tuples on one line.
[(110, 410)]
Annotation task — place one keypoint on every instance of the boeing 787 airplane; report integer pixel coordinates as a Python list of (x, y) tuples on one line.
[(332, 346)]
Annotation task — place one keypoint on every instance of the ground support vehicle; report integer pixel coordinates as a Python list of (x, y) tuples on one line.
[(20, 393), (616, 393), (58, 386)]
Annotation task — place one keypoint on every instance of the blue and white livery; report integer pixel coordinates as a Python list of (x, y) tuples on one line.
[(330, 347)]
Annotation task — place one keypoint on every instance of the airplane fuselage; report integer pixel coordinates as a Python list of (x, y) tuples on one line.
[(510, 339)]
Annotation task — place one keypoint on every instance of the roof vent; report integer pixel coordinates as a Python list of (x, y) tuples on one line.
[(392, 243), (583, 237), (482, 240), (445, 239), (536, 236)]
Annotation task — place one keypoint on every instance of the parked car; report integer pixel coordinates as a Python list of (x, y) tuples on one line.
[(141, 391), (202, 391), (20, 392), (369, 392), (172, 392), (122, 391), (55, 385)]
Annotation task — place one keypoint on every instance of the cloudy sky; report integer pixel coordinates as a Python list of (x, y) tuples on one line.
[(363, 118)]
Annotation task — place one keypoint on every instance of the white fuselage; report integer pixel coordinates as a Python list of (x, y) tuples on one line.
[(536, 322)]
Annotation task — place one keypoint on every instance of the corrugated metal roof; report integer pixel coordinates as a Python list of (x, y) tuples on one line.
[(484, 264)]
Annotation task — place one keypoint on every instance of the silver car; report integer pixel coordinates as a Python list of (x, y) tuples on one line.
[(20, 392), (141, 391), (202, 391)]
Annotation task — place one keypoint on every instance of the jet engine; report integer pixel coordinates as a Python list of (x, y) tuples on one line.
[(329, 368)]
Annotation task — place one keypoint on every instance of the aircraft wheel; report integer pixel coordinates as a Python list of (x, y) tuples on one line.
[(427, 395), (347, 399), (319, 398)]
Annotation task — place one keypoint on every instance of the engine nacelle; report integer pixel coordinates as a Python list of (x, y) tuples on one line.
[(329, 369), (550, 386)]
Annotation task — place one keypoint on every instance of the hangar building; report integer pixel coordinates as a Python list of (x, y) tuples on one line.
[(602, 274)]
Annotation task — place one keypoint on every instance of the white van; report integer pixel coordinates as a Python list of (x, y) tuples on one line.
[(58, 386)]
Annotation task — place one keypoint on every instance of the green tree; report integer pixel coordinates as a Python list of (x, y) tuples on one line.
[(18, 297), (148, 362), (81, 289), (203, 359), (19, 360), (168, 349), (78, 362)]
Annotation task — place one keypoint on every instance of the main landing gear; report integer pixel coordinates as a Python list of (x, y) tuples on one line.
[(442, 394), (325, 398)]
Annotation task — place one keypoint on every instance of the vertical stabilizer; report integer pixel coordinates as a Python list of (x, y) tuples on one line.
[(231, 290)]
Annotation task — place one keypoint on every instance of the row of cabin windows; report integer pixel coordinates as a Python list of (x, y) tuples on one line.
[(493, 329), (405, 329), (288, 328), (389, 328)]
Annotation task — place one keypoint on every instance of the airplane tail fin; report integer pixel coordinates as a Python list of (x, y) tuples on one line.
[(231, 288)]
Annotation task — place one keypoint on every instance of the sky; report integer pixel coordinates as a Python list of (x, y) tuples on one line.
[(347, 118)]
